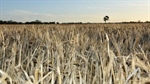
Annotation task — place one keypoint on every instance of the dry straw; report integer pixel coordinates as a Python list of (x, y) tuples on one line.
[(75, 54)]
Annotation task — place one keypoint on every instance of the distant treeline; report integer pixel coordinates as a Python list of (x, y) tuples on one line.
[(35, 22), (40, 22), (31, 22), (136, 22)]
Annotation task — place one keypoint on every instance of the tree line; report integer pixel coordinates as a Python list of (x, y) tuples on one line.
[(31, 22), (40, 22)]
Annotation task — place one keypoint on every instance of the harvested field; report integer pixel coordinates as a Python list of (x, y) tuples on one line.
[(75, 54)]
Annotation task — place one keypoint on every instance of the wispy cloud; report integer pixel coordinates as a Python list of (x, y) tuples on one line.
[(24, 15), (107, 6), (138, 4)]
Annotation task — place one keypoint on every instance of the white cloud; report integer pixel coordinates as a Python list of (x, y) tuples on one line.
[(80, 18), (23, 15)]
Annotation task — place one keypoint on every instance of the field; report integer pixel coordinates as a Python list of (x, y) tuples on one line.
[(75, 54)]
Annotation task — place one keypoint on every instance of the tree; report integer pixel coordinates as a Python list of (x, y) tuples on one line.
[(37, 22), (106, 18)]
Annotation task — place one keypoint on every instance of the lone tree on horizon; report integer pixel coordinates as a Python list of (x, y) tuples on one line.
[(106, 18)]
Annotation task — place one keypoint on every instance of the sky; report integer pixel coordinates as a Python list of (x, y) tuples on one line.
[(75, 10)]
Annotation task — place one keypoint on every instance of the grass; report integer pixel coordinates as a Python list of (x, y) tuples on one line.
[(75, 54)]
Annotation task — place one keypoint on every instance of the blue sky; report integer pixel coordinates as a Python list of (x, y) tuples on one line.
[(75, 10)]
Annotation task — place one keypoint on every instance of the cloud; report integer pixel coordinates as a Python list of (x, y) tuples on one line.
[(139, 4), (80, 18), (24, 15)]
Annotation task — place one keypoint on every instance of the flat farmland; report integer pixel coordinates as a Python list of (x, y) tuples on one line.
[(75, 54)]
